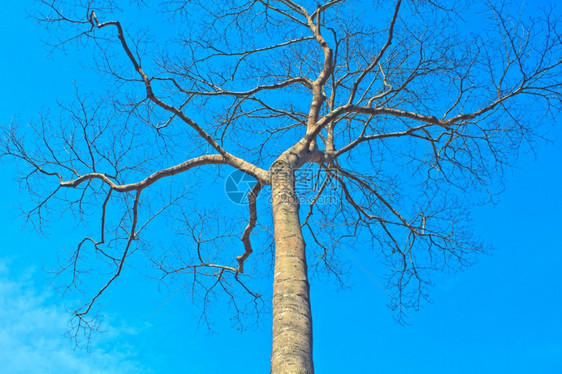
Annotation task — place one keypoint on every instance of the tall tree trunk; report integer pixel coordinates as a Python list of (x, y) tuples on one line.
[(292, 318)]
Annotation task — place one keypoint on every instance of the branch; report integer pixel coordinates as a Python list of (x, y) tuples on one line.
[(231, 159), (252, 197), (132, 236), (379, 56)]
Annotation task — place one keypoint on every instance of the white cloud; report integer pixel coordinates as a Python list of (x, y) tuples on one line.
[(32, 337)]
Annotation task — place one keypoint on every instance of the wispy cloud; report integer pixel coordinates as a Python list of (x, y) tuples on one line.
[(32, 337)]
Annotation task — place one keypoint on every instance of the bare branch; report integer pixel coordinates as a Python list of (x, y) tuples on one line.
[(252, 197)]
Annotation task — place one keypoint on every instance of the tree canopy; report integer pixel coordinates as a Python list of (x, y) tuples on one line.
[(371, 122)]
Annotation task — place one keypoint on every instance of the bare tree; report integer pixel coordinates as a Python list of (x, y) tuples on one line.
[(400, 113)]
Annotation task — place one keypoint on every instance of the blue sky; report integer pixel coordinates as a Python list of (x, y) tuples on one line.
[(501, 315)]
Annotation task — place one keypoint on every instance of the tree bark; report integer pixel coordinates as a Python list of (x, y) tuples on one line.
[(292, 318)]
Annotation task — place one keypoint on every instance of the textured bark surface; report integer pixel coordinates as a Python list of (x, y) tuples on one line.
[(292, 318)]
